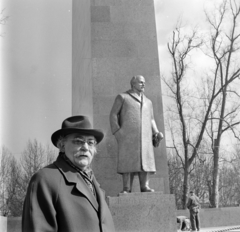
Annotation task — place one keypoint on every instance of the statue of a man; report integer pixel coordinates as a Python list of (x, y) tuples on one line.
[(133, 125)]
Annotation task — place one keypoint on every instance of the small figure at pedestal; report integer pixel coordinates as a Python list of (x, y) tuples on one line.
[(133, 125), (194, 207)]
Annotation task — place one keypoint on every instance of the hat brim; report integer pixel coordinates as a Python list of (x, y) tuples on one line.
[(98, 134)]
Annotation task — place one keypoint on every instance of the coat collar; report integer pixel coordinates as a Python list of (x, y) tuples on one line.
[(136, 96), (73, 177)]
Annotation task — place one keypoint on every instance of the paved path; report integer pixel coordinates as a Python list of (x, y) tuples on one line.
[(222, 229)]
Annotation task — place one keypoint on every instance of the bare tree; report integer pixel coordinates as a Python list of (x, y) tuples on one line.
[(15, 175), (32, 159), (198, 178), (206, 108), (180, 48), (6, 158), (3, 19), (224, 44), (229, 184), (175, 178), (15, 191), (50, 154), (11, 192)]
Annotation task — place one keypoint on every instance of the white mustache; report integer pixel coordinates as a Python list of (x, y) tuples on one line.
[(79, 154)]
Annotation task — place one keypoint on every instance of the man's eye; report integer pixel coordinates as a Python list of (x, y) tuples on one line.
[(91, 143), (78, 141)]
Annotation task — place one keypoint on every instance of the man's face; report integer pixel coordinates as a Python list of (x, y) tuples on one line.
[(139, 84), (80, 149)]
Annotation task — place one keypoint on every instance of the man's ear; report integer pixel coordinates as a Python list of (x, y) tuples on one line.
[(62, 148)]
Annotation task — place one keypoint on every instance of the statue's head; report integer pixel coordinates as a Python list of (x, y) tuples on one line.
[(138, 83)]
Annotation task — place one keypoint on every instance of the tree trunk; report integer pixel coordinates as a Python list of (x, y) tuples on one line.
[(216, 149), (215, 193), (185, 187)]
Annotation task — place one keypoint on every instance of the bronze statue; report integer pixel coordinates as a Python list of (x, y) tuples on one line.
[(133, 125)]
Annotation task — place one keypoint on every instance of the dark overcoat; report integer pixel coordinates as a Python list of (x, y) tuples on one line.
[(58, 199), (132, 123)]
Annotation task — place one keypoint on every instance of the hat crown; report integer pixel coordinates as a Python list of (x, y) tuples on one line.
[(80, 122), (77, 124)]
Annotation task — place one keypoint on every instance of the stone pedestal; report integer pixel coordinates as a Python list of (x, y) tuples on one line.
[(143, 212)]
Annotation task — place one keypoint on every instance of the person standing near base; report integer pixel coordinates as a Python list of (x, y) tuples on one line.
[(194, 207)]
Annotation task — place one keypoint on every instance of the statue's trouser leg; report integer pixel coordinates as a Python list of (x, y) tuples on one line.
[(144, 182), (126, 177), (131, 180)]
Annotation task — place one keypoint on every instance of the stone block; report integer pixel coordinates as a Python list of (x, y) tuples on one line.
[(123, 31), (14, 224), (3, 224), (82, 88), (103, 89), (143, 212), (121, 69), (113, 48), (81, 31), (107, 167), (129, 13), (100, 14), (121, 2), (147, 48), (103, 124), (101, 105), (112, 187), (124, 48)]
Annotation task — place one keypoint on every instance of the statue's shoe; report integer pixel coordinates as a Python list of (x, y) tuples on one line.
[(147, 189), (125, 191)]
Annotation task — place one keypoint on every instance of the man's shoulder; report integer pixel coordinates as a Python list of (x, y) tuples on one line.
[(124, 94), (48, 173), (195, 200), (121, 95), (48, 179)]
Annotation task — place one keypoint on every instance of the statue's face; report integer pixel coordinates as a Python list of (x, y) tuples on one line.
[(139, 84)]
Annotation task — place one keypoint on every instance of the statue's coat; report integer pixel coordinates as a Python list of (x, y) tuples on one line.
[(132, 123)]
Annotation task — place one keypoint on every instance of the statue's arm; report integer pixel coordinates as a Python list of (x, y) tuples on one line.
[(154, 127), (153, 122), (157, 136), (114, 114)]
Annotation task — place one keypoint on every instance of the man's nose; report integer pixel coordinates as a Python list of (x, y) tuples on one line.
[(85, 146)]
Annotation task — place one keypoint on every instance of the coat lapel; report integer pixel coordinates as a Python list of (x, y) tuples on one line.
[(135, 96), (100, 196), (73, 177)]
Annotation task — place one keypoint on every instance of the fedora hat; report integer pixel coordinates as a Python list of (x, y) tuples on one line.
[(77, 124)]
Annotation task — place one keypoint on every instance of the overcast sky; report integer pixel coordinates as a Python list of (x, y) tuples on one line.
[(36, 83), (36, 48)]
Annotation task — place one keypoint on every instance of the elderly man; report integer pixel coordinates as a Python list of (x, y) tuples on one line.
[(65, 195), (132, 123)]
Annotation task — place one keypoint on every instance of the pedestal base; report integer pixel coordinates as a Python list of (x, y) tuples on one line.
[(144, 212)]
